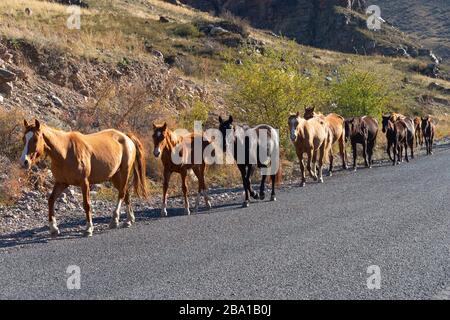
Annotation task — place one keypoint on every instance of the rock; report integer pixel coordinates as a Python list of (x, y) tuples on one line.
[(56, 101), (164, 19), (239, 62), (7, 76), (6, 89), (158, 54), (438, 87), (217, 31), (28, 11), (1, 98)]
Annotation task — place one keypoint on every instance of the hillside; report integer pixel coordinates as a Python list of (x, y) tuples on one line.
[(135, 61), (427, 20)]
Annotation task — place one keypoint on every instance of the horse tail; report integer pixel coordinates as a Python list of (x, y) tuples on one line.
[(279, 175), (139, 168)]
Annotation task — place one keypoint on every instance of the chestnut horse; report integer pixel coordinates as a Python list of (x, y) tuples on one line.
[(364, 131), (428, 130), (337, 127), (397, 138), (82, 160), (418, 131), (246, 144), (314, 138), (169, 146)]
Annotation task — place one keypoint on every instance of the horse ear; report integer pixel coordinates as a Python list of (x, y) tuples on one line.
[(164, 127), (220, 120), (25, 123), (37, 124), (230, 119), (312, 109), (154, 126), (297, 114)]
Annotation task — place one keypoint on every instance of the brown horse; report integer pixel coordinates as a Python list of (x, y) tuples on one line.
[(177, 155), (337, 127), (410, 127), (397, 138), (312, 137), (418, 131), (82, 160), (364, 131), (428, 131)]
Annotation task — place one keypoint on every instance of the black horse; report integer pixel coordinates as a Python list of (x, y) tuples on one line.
[(364, 131), (247, 143)]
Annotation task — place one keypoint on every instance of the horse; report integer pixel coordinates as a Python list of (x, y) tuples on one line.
[(168, 146), (364, 131), (411, 128), (428, 131), (314, 138), (397, 138), (247, 141), (337, 127), (418, 131), (81, 160)]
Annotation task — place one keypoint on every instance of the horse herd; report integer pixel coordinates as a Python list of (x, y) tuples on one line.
[(110, 155)]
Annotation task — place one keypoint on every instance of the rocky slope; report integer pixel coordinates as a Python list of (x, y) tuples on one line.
[(336, 25)]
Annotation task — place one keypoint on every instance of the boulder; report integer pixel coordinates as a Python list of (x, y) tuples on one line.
[(6, 89), (7, 76)]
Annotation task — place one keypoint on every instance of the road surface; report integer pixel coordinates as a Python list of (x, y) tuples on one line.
[(315, 242)]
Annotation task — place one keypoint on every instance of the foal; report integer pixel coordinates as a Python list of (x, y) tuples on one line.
[(169, 146), (337, 127), (418, 131), (312, 137), (428, 130), (82, 160)]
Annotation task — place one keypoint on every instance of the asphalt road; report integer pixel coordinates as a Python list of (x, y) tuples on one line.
[(315, 242)]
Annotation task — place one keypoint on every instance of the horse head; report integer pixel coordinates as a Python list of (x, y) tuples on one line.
[(159, 136), (225, 127), (34, 144), (293, 123), (386, 119)]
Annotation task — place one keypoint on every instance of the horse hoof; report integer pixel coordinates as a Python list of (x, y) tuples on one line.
[(54, 232), (208, 206), (88, 233), (187, 212), (321, 180), (273, 198), (255, 196), (127, 224), (330, 174), (114, 224), (354, 169), (302, 184), (262, 196), (163, 213), (245, 204)]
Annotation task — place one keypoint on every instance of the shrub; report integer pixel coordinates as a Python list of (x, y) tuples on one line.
[(198, 112), (359, 93), (186, 30), (11, 128)]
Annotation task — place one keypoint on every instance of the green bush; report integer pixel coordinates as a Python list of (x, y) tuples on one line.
[(187, 30), (198, 112), (359, 93), (264, 92)]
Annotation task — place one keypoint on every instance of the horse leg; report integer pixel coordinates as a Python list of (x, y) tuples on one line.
[(262, 194), (364, 145), (394, 151), (431, 143), (184, 187), (200, 173), (130, 214), (87, 207), (388, 150), (354, 155), (302, 168), (272, 196), (312, 158), (322, 152), (370, 146), (343, 152), (406, 150), (330, 172), (121, 185), (242, 169), (167, 174), (58, 188), (250, 171)]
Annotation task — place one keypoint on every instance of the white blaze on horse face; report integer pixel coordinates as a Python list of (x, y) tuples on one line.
[(25, 156), (156, 152)]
